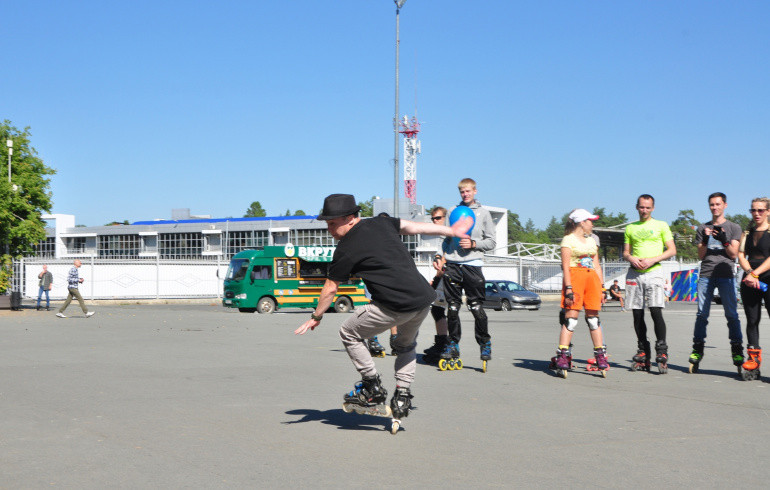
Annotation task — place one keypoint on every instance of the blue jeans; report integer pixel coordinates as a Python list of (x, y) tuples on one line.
[(40, 296), (726, 287)]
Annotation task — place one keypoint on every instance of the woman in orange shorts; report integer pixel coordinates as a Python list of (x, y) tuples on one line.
[(582, 288)]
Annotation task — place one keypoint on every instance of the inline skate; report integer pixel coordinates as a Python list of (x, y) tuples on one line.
[(661, 356), (393, 350), (737, 351), (697, 355), (375, 348), (599, 362), (400, 405), (368, 397), (432, 354), (552, 365), (450, 358), (752, 363), (562, 363), (642, 357), (486, 354)]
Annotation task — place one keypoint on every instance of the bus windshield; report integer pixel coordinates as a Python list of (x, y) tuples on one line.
[(237, 270)]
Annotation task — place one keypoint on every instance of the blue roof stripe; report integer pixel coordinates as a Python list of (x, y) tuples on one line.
[(223, 220)]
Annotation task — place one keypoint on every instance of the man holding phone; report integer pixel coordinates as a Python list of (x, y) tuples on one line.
[(717, 242)]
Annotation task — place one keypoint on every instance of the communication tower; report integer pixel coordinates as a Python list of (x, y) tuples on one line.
[(410, 128)]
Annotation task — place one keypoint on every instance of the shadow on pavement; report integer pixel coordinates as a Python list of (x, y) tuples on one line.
[(336, 417)]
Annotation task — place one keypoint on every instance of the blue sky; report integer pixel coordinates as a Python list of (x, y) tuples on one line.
[(145, 106)]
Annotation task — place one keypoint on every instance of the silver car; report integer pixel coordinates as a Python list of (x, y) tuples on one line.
[(508, 295)]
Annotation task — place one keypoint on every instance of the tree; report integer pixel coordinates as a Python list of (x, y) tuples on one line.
[(367, 208), (299, 212), (117, 223), (684, 228), (24, 199), (739, 219), (555, 229), (608, 219), (255, 211)]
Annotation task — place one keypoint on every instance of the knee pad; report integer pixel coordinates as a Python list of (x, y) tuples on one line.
[(453, 311), (477, 310), (570, 324), (437, 312), (593, 322)]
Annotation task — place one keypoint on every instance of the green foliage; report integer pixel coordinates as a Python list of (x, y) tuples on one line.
[(117, 223), (739, 219), (255, 211), (684, 228), (299, 212), (367, 208), (608, 219), (24, 199), (6, 273), (21, 206)]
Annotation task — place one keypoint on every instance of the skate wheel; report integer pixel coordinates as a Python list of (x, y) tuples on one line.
[(346, 408), (693, 368), (483, 366), (452, 365), (604, 373), (459, 364), (394, 426), (662, 368), (442, 365), (591, 361), (563, 373)]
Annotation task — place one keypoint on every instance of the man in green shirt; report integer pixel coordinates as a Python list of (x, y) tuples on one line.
[(647, 242)]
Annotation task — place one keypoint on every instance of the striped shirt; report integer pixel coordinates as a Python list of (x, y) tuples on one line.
[(72, 278)]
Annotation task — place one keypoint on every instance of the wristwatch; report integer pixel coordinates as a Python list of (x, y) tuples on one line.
[(316, 318)]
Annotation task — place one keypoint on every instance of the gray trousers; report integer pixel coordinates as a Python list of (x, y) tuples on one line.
[(73, 293), (371, 320)]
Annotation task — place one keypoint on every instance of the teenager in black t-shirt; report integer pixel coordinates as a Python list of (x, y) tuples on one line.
[(372, 250)]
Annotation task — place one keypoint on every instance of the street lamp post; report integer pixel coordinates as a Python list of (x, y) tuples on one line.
[(10, 152), (399, 4)]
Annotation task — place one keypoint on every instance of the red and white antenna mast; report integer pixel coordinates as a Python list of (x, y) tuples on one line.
[(410, 128)]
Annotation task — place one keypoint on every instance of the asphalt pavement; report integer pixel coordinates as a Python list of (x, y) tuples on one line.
[(199, 396)]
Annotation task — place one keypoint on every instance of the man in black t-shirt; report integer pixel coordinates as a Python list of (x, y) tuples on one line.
[(372, 250), (616, 294)]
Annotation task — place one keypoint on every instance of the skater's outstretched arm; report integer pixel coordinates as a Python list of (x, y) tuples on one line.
[(324, 302), (459, 229)]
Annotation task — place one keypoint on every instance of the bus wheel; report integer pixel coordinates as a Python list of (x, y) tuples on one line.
[(266, 305), (247, 310), (343, 304)]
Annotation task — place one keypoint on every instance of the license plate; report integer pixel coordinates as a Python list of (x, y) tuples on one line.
[(228, 301)]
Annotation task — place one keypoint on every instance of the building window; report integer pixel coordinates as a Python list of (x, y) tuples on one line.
[(180, 245), (119, 245), (309, 238), (238, 241), (76, 245), (46, 249), (411, 242)]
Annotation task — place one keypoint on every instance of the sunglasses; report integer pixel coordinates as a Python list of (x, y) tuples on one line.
[(436, 218), (752, 210)]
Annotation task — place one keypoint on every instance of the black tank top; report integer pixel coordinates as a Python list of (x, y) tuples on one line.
[(758, 252)]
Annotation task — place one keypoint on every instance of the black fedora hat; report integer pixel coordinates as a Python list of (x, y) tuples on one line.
[(336, 205)]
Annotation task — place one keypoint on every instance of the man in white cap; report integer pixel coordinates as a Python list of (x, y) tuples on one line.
[(372, 250)]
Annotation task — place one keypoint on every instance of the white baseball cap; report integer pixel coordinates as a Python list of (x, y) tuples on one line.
[(581, 214)]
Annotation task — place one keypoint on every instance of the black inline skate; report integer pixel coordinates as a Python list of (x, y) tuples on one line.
[(697, 356), (661, 356), (642, 357), (486, 354), (752, 363), (400, 405), (450, 358), (368, 397), (432, 354), (393, 349), (375, 348), (738, 358)]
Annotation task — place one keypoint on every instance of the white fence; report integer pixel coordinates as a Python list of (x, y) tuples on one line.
[(123, 279), (154, 278)]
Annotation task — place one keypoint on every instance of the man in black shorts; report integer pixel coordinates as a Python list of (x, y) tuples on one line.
[(372, 250)]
